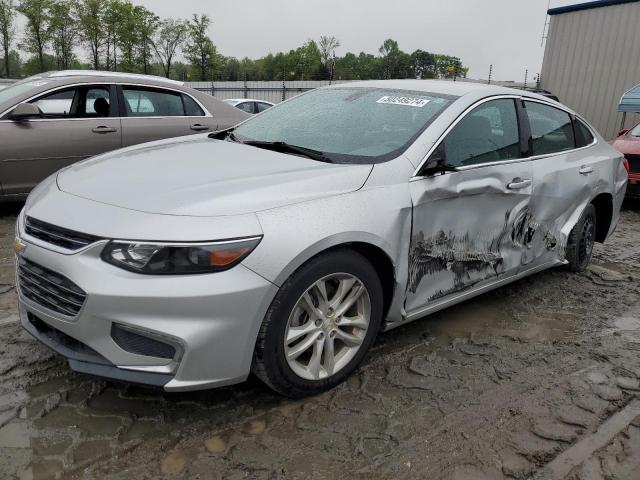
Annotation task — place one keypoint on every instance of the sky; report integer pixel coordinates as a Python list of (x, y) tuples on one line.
[(504, 33)]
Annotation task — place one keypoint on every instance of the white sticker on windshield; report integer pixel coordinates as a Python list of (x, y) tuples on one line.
[(408, 101)]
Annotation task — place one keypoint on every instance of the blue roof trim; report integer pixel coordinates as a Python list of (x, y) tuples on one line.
[(587, 6), (630, 101)]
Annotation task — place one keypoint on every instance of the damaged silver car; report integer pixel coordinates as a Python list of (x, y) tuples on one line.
[(285, 245)]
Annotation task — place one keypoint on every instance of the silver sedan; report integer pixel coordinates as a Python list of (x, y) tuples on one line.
[(285, 245)]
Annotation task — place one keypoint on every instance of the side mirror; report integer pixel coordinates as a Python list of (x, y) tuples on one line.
[(624, 131), (437, 162), (25, 111)]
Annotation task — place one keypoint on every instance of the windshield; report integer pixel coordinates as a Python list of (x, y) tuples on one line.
[(348, 125), (18, 88), (635, 131)]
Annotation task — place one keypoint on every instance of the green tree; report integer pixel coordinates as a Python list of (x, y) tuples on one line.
[(199, 50), (15, 63), (35, 64), (449, 67), (63, 31), (327, 46), (307, 61), (91, 30), (167, 40), (147, 24), (127, 38), (113, 17), (389, 53), (37, 33), (424, 64), (7, 32)]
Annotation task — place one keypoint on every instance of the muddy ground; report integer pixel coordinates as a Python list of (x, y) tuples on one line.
[(539, 379)]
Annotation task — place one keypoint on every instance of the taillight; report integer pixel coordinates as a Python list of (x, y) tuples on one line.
[(626, 165)]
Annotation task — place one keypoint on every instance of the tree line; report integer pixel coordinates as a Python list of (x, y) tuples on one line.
[(119, 36)]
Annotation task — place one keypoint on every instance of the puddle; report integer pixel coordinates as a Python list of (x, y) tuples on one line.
[(493, 317), (628, 323), (69, 422), (627, 326)]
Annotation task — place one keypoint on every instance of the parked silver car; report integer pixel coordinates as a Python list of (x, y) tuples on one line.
[(285, 245), (52, 120), (249, 105)]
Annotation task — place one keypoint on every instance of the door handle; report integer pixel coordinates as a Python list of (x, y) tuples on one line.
[(199, 128), (585, 170), (518, 184), (104, 129)]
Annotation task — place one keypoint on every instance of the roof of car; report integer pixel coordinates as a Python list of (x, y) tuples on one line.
[(229, 100), (444, 87), (104, 74), (46, 81)]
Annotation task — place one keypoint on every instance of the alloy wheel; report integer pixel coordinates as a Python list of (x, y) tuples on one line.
[(587, 239), (327, 326)]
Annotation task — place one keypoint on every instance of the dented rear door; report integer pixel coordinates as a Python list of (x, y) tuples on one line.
[(566, 174), (465, 229)]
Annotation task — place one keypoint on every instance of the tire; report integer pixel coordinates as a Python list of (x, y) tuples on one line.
[(290, 310), (581, 240)]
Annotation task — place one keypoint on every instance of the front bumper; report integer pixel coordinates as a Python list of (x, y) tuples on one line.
[(211, 321)]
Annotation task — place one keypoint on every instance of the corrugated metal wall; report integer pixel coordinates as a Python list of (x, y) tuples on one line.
[(591, 58)]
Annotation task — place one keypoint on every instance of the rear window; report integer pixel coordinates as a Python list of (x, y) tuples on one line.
[(152, 103), (551, 129), (246, 107)]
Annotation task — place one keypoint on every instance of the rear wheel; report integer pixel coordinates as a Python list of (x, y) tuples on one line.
[(320, 325), (581, 240)]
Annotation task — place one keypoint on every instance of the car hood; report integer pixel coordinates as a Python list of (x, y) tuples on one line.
[(198, 176)]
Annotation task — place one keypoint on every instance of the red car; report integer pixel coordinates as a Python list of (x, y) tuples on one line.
[(628, 143)]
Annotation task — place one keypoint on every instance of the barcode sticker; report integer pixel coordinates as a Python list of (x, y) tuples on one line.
[(407, 101)]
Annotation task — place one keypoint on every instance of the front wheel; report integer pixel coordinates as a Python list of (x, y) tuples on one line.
[(581, 240), (320, 324)]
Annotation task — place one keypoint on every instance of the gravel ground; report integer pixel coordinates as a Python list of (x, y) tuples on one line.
[(539, 379)]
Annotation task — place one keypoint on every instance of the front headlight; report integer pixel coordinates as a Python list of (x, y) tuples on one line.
[(178, 258)]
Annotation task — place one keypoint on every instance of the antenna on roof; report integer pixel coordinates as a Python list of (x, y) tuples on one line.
[(545, 29)]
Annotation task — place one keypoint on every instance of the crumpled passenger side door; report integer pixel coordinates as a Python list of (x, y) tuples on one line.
[(466, 223)]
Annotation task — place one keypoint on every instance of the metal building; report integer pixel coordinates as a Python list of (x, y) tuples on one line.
[(592, 57)]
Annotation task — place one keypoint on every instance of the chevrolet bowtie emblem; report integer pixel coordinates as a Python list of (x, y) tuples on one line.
[(19, 246)]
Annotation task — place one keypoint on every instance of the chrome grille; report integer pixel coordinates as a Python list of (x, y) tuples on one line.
[(58, 236), (49, 289), (634, 162)]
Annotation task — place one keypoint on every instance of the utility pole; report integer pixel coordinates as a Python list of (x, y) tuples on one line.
[(490, 72), (526, 74), (284, 85)]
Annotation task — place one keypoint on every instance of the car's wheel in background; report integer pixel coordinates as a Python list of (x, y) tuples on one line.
[(581, 240), (320, 324)]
